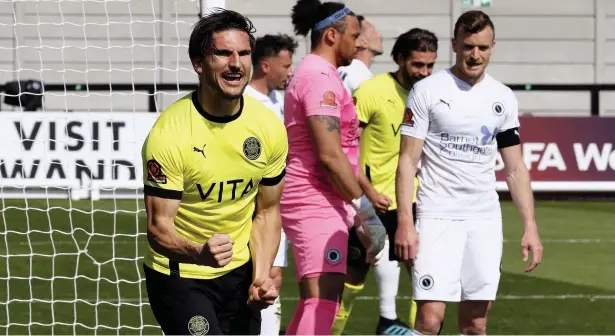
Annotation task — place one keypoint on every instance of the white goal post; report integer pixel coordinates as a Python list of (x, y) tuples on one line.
[(71, 214)]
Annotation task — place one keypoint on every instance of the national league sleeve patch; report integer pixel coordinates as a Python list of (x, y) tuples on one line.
[(328, 100), (408, 117), (154, 172)]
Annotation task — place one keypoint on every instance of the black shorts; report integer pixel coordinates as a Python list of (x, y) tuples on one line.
[(197, 307), (356, 251)]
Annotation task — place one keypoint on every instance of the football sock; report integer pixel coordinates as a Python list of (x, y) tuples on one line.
[(412, 317), (292, 327), (271, 317), (318, 316), (387, 275), (350, 294)]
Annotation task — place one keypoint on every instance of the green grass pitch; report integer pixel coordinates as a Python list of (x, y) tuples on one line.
[(74, 268)]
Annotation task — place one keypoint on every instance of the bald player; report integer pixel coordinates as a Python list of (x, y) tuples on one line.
[(370, 46)]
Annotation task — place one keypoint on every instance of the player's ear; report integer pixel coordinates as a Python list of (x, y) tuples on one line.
[(453, 45), (400, 59), (197, 65), (330, 35), (265, 67)]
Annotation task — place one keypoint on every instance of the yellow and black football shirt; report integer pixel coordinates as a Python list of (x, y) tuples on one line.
[(380, 103), (214, 165)]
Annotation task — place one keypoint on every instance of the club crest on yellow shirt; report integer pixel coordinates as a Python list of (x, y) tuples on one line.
[(252, 148)]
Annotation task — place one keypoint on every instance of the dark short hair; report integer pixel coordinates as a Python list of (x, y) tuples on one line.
[(361, 18), (473, 22), (415, 39), (307, 13), (202, 37), (271, 45)]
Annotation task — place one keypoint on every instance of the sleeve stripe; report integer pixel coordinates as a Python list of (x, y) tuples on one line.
[(271, 181), (162, 193)]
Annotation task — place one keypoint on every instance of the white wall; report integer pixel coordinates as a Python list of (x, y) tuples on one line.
[(546, 41)]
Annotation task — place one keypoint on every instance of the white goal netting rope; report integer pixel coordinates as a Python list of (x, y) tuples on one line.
[(72, 224)]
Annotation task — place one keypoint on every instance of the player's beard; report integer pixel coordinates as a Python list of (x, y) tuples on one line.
[(345, 61), (410, 80)]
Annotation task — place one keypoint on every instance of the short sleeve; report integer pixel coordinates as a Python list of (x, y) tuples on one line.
[(276, 165), (512, 113), (364, 105), (322, 95), (416, 117), (162, 166)]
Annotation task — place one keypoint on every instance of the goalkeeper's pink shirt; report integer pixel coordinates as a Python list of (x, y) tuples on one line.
[(315, 89)]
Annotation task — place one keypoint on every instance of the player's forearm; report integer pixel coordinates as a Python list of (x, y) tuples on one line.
[(366, 185), (404, 189), (519, 185), (265, 239), (165, 240), (342, 176)]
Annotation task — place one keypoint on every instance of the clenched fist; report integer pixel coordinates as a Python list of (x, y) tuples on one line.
[(217, 251)]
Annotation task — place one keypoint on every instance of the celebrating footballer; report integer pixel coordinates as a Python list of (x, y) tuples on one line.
[(214, 170)]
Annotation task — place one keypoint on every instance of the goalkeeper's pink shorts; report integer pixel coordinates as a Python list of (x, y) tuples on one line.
[(320, 242)]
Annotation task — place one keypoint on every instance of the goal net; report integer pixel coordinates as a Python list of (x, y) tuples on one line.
[(72, 232)]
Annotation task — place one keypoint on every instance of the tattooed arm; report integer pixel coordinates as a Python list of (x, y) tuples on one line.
[(325, 132)]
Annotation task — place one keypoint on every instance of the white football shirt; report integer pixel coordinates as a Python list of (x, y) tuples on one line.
[(459, 124), (274, 101), (354, 74)]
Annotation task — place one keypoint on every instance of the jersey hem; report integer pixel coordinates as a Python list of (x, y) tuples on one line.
[(272, 181), (189, 275), (162, 193), (410, 134)]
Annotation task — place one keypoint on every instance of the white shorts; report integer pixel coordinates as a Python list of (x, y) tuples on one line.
[(458, 260), (280, 259)]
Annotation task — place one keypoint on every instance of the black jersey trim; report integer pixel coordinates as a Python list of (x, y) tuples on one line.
[(368, 173), (213, 118), (392, 74), (508, 138), (162, 193), (271, 181)]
